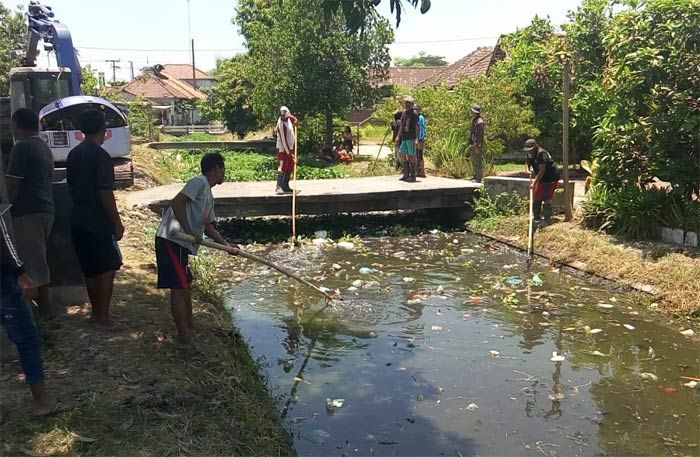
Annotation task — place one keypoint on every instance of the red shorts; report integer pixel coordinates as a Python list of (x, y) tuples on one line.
[(544, 191), (286, 160)]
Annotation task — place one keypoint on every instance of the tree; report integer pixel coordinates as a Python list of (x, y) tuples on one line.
[(421, 60), (316, 65), (90, 84), (356, 12), (13, 39), (652, 123), (230, 98)]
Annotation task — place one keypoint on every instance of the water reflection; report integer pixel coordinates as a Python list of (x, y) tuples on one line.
[(438, 354)]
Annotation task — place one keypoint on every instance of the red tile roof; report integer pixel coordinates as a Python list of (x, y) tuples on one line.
[(184, 71), (411, 76), (475, 64), (153, 85)]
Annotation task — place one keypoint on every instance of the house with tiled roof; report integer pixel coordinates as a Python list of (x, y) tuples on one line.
[(183, 72), (172, 98), (476, 63), (411, 77)]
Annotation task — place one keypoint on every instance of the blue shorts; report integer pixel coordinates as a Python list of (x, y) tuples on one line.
[(408, 147), (172, 261)]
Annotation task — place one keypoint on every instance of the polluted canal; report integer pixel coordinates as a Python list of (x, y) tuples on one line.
[(445, 344)]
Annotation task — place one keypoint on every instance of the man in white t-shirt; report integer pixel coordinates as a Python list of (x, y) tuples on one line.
[(190, 212)]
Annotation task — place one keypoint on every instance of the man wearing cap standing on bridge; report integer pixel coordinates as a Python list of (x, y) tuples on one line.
[(544, 180), (407, 140), (286, 154), (476, 142)]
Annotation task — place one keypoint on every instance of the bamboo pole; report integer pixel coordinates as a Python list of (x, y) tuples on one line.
[(248, 255), (531, 228), (568, 212), (294, 190)]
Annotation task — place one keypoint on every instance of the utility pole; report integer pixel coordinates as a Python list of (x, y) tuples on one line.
[(131, 67), (114, 68)]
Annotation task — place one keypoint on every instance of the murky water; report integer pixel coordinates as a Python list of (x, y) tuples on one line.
[(434, 353)]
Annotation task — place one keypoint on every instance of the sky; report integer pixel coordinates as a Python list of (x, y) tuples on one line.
[(147, 32)]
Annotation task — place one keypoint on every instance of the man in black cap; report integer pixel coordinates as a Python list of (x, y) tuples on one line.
[(544, 179), (476, 142)]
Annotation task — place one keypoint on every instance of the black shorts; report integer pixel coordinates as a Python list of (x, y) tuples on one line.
[(171, 258), (97, 253)]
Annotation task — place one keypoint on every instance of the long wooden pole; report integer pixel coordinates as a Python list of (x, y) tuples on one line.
[(248, 255), (531, 229), (294, 190), (568, 212)]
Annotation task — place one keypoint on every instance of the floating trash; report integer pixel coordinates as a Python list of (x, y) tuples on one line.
[(335, 403), (319, 435), (348, 246), (437, 328), (687, 332), (556, 357), (472, 407), (319, 242), (649, 376), (536, 280), (408, 279), (440, 290), (691, 384), (358, 283), (514, 281), (592, 331), (493, 353), (337, 266), (321, 234), (628, 326), (605, 305), (600, 354), (366, 271)]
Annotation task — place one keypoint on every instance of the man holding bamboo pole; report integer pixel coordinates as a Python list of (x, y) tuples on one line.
[(286, 150), (191, 212)]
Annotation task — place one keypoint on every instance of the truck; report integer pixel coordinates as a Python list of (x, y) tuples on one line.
[(55, 95)]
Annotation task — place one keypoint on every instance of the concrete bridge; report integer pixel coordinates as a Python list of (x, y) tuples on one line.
[(325, 196)]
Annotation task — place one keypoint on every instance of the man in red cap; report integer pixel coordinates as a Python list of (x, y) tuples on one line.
[(286, 153)]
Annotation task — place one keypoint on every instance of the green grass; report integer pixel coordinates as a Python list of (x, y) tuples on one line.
[(509, 167), (372, 133), (244, 166)]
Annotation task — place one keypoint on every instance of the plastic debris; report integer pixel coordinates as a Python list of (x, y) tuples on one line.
[(319, 242), (628, 326), (605, 305), (472, 407), (325, 289), (687, 332), (649, 376), (348, 246), (336, 402), (408, 279), (440, 290), (514, 281), (691, 384), (337, 266), (366, 271), (556, 357), (420, 397), (592, 331), (435, 231), (652, 353), (414, 301), (545, 313), (437, 328), (600, 354), (536, 280), (493, 353), (357, 283), (320, 435), (321, 234)]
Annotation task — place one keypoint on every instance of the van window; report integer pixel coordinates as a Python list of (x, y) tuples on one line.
[(67, 118)]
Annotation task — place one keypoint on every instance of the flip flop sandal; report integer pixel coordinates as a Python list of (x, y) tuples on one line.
[(57, 408)]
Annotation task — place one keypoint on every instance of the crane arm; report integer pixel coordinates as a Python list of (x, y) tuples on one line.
[(42, 25)]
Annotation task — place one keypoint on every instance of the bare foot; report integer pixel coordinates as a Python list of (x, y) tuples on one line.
[(49, 408), (108, 325)]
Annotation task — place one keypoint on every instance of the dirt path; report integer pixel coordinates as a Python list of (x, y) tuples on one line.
[(140, 392)]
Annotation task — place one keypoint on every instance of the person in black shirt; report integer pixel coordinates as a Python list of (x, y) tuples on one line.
[(95, 223), (544, 180), (29, 190), (407, 141)]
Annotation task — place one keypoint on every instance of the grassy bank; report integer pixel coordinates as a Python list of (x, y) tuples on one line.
[(670, 270), (140, 392)]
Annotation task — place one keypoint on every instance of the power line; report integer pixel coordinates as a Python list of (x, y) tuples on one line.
[(453, 40)]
